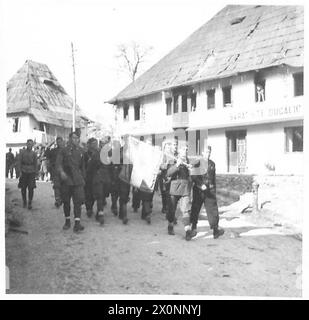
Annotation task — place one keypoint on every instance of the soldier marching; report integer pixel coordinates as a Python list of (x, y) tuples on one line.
[(84, 177)]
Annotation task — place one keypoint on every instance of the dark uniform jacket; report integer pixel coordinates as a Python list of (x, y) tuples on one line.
[(208, 179), (9, 158), (28, 161), (98, 171), (180, 179), (51, 155), (70, 160)]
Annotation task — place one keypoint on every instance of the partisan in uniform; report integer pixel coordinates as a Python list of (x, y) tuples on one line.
[(54, 174), (120, 191), (70, 161), (180, 191), (89, 199), (204, 192), (28, 169), (9, 163), (100, 184)]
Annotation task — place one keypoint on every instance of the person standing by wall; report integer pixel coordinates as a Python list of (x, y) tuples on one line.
[(9, 163), (28, 165)]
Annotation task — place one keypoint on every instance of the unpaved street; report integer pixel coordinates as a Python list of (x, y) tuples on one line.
[(142, 259)]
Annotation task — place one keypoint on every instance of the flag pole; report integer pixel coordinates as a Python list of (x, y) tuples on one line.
[(74, 100)]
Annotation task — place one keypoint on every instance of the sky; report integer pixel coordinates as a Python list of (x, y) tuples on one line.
[(42, 30)]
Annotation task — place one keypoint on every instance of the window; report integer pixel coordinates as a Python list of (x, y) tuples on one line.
[(298, 84), (15, 124), (176, 104), (41, 126), (168, 102), (184, 103), (210, 98), (260, 90), (137, 111), (294, 139), (227, 101), (126, 112), (193, 101)]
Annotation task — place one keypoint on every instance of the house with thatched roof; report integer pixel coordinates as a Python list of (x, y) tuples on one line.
[(38, 107), (236, 84)]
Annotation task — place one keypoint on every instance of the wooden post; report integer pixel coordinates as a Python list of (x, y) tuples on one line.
[(74, 101), (255, 189)]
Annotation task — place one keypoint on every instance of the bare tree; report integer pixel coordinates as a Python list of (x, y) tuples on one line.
[(131, 56)]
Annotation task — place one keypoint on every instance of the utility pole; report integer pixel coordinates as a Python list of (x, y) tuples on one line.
[(74, 101)]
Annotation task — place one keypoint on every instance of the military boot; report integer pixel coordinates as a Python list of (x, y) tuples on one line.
[(170, 230), (89, 213), (101, 217), (78, 227), (188, 235), (67, 224), (218, 232)]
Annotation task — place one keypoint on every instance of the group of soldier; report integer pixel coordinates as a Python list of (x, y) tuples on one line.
[(81, 176)]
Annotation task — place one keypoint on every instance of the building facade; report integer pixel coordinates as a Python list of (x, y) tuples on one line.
[(251, 113), (38, 108)]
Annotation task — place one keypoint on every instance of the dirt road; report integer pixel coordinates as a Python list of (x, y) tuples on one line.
[(142, 259)]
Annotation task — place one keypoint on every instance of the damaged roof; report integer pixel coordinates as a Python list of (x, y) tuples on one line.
[(238, 39), (35, 90)]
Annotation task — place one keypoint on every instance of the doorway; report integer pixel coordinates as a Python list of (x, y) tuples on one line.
[(236, 151)]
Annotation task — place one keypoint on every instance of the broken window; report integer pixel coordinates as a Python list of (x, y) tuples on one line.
[(210, 98), (176, 104), (137, 111), (184, 103), (227, 96), (126, 112), (298, 84), (259, 90), (15, 124), (237, 20), (168, 102), (193, 101), (294, 139), (53, 85)]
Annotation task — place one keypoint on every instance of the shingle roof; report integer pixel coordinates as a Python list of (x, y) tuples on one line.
[(35, 90), (239, 38)]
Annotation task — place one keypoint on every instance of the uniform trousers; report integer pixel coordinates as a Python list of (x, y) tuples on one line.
[(76, 193), (208, 198)]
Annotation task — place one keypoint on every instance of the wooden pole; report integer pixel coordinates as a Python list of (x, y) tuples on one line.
[(74, 101)]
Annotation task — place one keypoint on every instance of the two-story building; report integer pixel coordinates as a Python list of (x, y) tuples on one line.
[(39, 108), (235, 84)]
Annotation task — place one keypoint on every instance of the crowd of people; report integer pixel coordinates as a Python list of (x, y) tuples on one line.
[(43, 170), (80, 176)]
